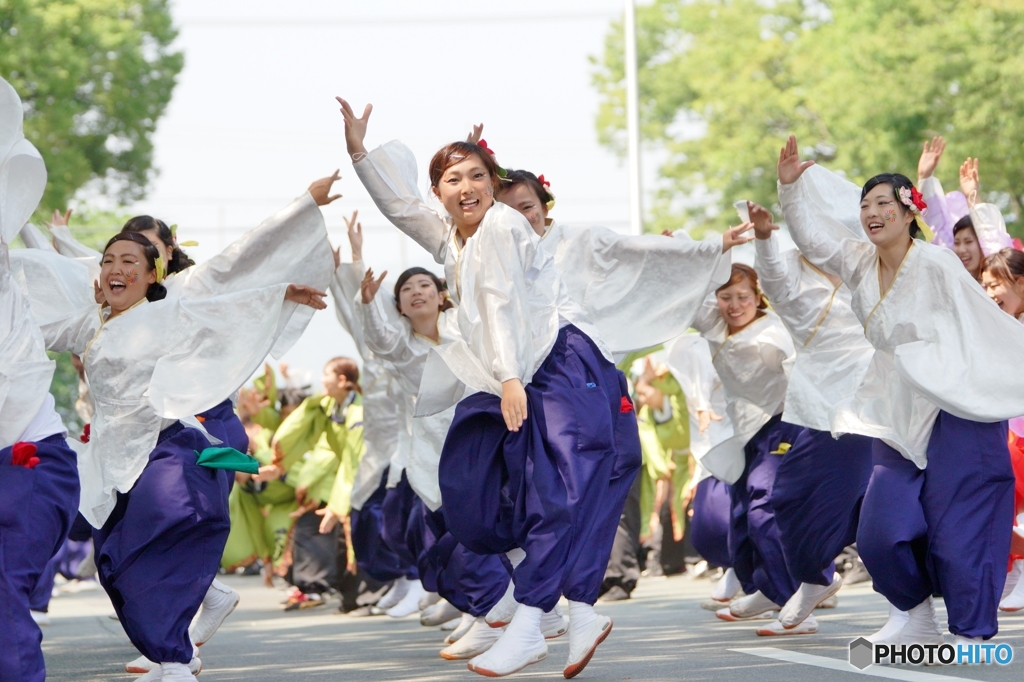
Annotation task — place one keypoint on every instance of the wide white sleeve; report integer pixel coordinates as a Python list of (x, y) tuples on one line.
[(59, 292), (684, 360), (387, 339), (968, 326), (991, 228), (502, 254), (778, 281), (290, 247), (212, 346), (68, 246), (345, 285), (709, 314), (25, 369), (389, 175), (34, 239), (639, 290), (822, 212)]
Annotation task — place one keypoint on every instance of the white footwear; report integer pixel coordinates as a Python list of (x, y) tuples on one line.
[(752, 605), (439, 613), (144, 665), (462, 628), (502, 612), (40, 617), (154, 675), (395, 594), (808, 626), (805, 600), (553, 623), (219, 602), (1012, 578), (520, 645), (726, 587), (451, 624), (1014, 601), (897, 619), (428, 599), (922, 626), (978, 654), (410, 603), (479, 639), (725, 614), (587, 630), (175, 672), (140, 665)]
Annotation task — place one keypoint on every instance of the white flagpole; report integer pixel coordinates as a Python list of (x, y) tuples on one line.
[(636, 215)]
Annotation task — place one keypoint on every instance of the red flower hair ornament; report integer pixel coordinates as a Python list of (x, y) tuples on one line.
[(912, 199)]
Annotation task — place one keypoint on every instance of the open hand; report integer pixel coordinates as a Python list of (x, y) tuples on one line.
[(969, 182), (790, 166), (355, 236), (303, 295), (321, 189), (476, 134), (355, 127), (704, 419), (59, 219), (734, 236), (930, 157), (370, 286)]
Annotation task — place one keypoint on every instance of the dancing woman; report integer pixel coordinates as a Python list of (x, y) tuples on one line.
[(937, 513), (151, 364), (821, 481)]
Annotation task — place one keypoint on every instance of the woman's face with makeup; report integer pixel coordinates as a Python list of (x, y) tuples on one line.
[(522, 198), (125, 275)]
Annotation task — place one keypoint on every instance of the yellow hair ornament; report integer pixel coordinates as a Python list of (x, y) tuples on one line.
[(190, 242), (161, 270)]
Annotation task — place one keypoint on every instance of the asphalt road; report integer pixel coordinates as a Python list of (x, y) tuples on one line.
[(660, 634)]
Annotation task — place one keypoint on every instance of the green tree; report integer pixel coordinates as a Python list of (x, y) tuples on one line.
[(95, 77), (862, 85)]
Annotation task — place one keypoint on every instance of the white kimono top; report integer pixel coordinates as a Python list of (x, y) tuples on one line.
[(753, 365), (511, 299), (635, 292), (382, 395), (935, 332), (832, 355), (158, 362), (391, 337), (689, 360)]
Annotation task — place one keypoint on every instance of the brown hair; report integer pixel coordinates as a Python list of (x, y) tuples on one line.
[(745, 273), (347, 368), (1006, 265), (456, 152)]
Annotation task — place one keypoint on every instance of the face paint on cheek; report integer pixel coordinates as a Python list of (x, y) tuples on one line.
[(490, 191), (890, 215), (535, 218), (131, 276)]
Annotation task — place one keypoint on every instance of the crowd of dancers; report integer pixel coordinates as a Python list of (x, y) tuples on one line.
[(490, 448)]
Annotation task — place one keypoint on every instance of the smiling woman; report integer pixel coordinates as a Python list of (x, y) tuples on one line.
[(131, 270), (941, 467)]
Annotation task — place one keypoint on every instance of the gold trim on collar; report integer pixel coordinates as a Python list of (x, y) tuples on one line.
[(882, 296)]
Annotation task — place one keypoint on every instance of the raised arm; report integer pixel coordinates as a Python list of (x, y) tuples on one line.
[(987, 219), (778, 281), (34, 239), (821, 211), (385, 334), (389, 175)]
